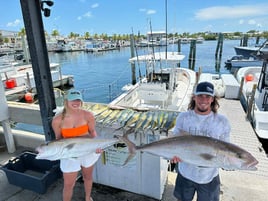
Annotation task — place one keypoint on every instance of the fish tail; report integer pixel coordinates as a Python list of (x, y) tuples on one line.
[(131, 148)]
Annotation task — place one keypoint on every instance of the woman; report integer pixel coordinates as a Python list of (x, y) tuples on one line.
[(75, 122)]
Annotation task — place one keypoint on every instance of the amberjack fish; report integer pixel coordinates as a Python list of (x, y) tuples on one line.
[(73, 148), (197, 150)]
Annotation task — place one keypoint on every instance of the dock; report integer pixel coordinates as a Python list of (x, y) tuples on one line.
[(235, 185)]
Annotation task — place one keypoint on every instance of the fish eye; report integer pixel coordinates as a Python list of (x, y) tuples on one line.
[(239, 155)]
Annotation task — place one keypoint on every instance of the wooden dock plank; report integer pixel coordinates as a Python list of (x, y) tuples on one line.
[(243, 134)]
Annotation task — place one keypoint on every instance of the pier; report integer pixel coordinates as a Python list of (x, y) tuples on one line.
[(236, 185)]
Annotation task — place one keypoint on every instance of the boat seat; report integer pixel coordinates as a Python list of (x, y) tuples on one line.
[(153, 92)]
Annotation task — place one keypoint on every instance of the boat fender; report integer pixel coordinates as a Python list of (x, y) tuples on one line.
[(29, 97), (249, 77)]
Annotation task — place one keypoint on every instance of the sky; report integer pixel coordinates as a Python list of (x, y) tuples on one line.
[(142, 16)]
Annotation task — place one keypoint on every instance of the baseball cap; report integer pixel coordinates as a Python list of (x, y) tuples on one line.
[(74, 94), (204, 88)]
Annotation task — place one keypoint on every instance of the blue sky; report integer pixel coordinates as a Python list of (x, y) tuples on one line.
[(123, 16)]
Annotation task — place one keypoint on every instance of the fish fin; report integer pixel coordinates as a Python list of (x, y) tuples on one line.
[(130, 156), (202, 167), (119, 128), (70, 146), (131, 147), (128, 131), (207, 156)]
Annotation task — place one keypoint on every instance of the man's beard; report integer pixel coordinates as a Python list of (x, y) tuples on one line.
[(202, 110)]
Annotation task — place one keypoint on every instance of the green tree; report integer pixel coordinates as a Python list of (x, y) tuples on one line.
[(87, 35), (22, 32), (55, 33)]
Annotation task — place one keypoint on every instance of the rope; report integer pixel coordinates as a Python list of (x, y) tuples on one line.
[(104, 86)]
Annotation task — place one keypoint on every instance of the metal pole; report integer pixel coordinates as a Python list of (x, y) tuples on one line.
[(31, 12), (133, 67)]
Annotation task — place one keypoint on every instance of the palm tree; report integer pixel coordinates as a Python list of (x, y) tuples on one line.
[(22, 32), (55, 33), (87, 35)]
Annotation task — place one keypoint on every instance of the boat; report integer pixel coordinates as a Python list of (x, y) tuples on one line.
[(258, 98), (165, 87), (200, 40), (71, 46), (63, 45), (185, 40), (92, 46), (239, 61), (99, 46), (249, 51), (19, 79), (217, 82)]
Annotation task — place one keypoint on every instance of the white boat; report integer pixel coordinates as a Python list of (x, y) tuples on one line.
[(259, 111), (216, 80), (20, 79), (66, 46), (92, 46), (71, 46), (239, 61), (199, 40), (185, 40), (166, 86)]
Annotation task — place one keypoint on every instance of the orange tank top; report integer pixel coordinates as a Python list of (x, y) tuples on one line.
[(74, 132)]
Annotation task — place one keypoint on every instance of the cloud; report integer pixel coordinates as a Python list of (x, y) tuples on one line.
[(150, 12), (231, 12), (16, 23), (95, 5), (88, 14), (252, 22), (147, 11)]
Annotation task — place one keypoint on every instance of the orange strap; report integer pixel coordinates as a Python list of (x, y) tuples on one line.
[(74, 132)]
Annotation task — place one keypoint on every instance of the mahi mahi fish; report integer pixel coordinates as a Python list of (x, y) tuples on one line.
[(73, 148), (197, 150)]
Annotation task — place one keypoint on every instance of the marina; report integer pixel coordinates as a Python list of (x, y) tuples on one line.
[(148, 119), (164, 183)]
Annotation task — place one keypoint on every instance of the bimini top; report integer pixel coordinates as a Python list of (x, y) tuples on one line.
[(159, 56)]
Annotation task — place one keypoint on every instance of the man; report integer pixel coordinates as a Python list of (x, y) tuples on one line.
[(200, 119)]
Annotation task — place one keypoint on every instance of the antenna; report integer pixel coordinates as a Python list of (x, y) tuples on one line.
[(166, 27)]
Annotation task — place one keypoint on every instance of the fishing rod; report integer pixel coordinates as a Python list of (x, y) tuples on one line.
[(152, 46)]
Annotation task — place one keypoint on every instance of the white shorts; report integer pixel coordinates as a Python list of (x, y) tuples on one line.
[(74, 164)]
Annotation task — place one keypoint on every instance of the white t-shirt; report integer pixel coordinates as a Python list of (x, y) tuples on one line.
[(212, 125)]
